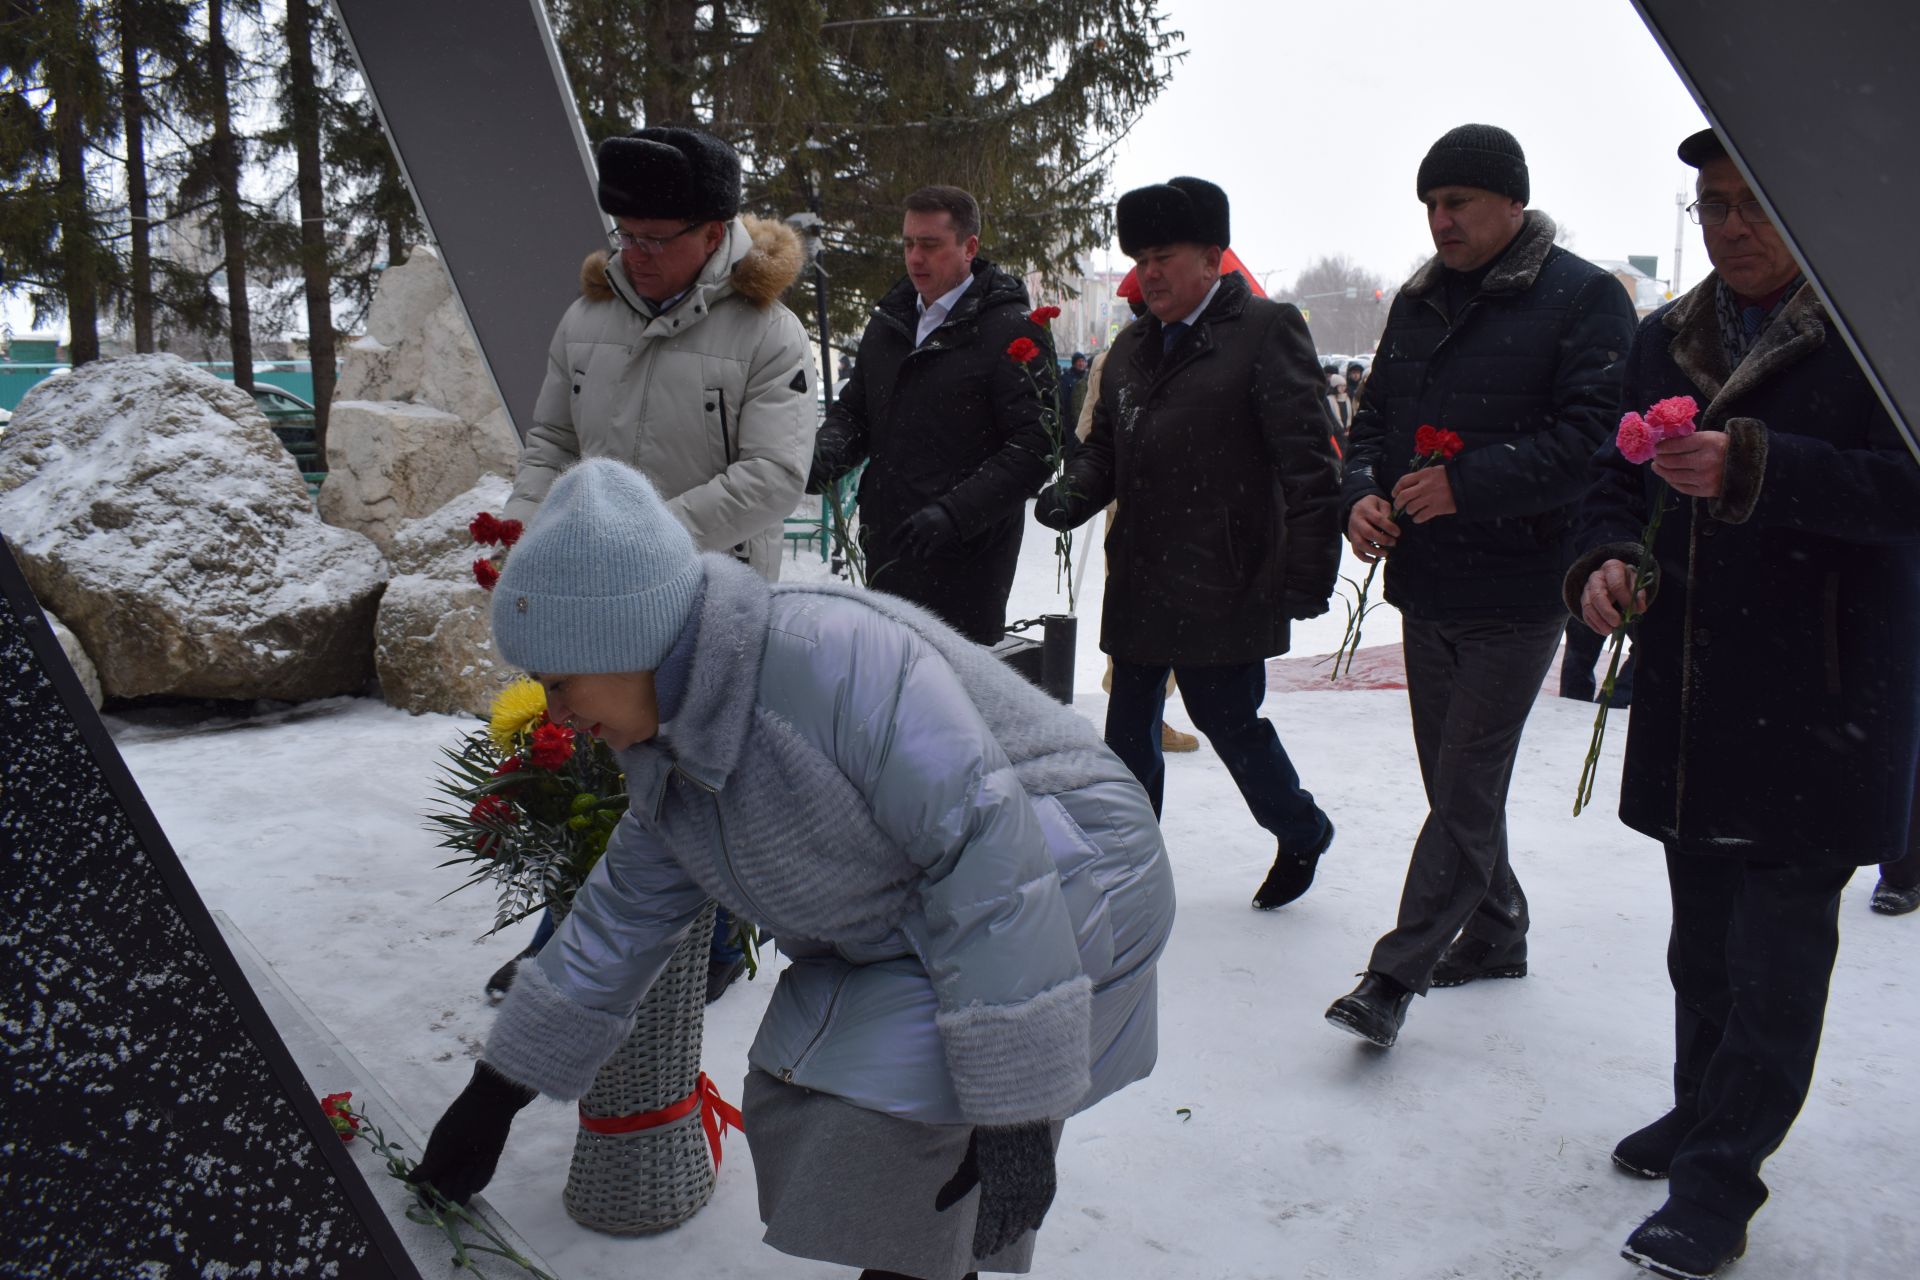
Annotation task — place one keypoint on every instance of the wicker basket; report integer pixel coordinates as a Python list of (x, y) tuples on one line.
[(656, 1178)]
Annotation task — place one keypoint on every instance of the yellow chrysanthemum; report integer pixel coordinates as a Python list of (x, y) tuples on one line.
[(514, 710)]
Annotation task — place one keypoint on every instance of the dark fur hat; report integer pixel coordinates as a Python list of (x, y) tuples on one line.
[(1698, 148), (669, 173), (1475, 155), (1181, 211)]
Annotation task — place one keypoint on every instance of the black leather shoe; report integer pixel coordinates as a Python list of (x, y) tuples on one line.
[(1685, 1243), (1471, 958), (1292, 874), (1890, 900), (1374, 1010), (722, 974), (502, 979), (1649, 1152)]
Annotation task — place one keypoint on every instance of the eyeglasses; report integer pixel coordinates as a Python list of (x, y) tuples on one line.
[(1711, 213), (648, 245)]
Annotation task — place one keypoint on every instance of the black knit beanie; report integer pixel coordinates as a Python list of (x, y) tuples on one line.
[(1475, 155), (669, 173)]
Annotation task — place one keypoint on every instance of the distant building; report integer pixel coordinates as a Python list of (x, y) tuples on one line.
[(1648, 294)]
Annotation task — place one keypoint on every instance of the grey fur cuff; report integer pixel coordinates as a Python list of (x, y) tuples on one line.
[(1019, 1062), (1576, 580), (545, 1041), (1746, 469)]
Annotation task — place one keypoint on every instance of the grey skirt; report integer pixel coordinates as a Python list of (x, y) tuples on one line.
[(839, 1183)]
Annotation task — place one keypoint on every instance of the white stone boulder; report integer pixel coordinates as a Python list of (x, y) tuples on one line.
[(153, 509), (433, 648), (415, 418), (77, 659)]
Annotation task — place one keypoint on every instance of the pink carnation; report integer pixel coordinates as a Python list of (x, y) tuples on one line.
[(1636, 439), (1672, 417)]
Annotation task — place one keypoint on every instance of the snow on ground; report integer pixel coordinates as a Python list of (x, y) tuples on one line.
[(1477, 1148)]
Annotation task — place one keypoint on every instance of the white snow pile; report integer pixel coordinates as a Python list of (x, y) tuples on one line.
[(154, 510)]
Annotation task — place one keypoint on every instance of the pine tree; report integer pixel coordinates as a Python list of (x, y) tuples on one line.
[(154, 43), (224, 152)]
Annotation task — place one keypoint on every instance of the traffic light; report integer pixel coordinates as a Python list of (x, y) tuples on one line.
[(1378, 296)]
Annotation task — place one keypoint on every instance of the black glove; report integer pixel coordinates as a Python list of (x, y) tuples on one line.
[(1013, 1167), (820, 476), (466, 1144), (926, 532), (1299, 608), (1051, 510)]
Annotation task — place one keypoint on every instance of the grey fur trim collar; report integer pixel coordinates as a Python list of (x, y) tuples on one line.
[(723, 684), (1514, 273), (1798, 331)]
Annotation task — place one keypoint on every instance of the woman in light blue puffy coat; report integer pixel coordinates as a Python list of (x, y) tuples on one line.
[(971, 889)]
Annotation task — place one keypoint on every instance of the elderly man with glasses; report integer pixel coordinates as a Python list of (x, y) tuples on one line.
[(679, 360), (1776, 712)]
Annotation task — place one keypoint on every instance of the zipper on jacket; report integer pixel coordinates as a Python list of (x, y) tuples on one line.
[(833, 1002)]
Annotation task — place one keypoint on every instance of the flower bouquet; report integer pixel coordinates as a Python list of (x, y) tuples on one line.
[(1430, 446), (1638, 439), (1025, 352)]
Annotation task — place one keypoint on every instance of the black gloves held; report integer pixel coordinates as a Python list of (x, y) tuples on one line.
[(1051, 509), (926, 532), (1013, 1167), (467, 1142), (820, 477), (1299, 608)]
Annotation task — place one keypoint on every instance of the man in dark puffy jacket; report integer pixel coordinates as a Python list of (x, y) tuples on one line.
[(950, 428), (1515, 345), (1210, 431)]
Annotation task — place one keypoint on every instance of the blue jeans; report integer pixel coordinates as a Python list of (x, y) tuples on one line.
[(1225, 705)]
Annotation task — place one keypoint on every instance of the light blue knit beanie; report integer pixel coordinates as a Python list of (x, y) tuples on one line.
[(603, 580)]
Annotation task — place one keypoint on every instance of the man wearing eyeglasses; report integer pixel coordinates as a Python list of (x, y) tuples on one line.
[(1776, 711), (678, 357)]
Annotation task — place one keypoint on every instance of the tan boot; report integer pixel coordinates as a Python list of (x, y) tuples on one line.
[(1171, 739)]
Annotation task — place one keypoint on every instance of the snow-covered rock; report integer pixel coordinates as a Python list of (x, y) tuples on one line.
[(433, 647), (153, 509), (77, 658), (416, 418)]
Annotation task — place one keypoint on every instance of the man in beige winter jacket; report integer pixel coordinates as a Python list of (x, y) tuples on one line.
[(678, 358)]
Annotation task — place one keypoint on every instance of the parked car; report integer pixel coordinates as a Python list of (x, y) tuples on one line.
[(292, 419)]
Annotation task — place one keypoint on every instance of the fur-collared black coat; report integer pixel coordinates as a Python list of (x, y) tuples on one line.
[(1776, 702), (1228, 487), (1528, 374), (952, 421)]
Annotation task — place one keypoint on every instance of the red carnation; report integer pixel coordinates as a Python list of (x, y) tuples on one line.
[(512, 764), (340, 1115), (485, 574), (1425, 441), (1043, 316), (484, 528), (1673, 417), (1021, 350), (552, 746), (510, 531), (1448, 443), (492, 811), (1635, 438)]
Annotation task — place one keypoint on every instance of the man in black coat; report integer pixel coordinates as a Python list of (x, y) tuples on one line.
[(1776, 713), (950, 428), (1515, 345), (1211, 431)]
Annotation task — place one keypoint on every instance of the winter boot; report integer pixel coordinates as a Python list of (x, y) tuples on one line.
[(722, 974), (1469, 958), (502, 979), (1683, 1242), (1292, 874), (1649, 1152), (1375, 1010), (1173, 741), (1892, 900)]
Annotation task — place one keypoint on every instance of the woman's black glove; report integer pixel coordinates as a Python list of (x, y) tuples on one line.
[(1013, 1167), (466, 1144), (1053, 510), (927, 532)]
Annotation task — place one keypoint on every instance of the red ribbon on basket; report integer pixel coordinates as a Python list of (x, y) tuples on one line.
[(717, 1115)]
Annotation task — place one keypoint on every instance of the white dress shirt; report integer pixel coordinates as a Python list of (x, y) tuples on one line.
[(932, 313)]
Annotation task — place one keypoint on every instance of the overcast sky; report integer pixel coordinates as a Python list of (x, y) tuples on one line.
[(1314, 117)]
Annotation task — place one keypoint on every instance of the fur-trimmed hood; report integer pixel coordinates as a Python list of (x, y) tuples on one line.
[(764, 258), (1514, 272)]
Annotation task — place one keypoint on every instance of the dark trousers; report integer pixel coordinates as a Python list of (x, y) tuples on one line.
[(1750, 956), (1224, 703), (1577, 678), (1469, 688), (1905, 872)]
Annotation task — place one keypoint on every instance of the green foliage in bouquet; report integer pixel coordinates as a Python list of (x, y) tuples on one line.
[(531, 805)]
